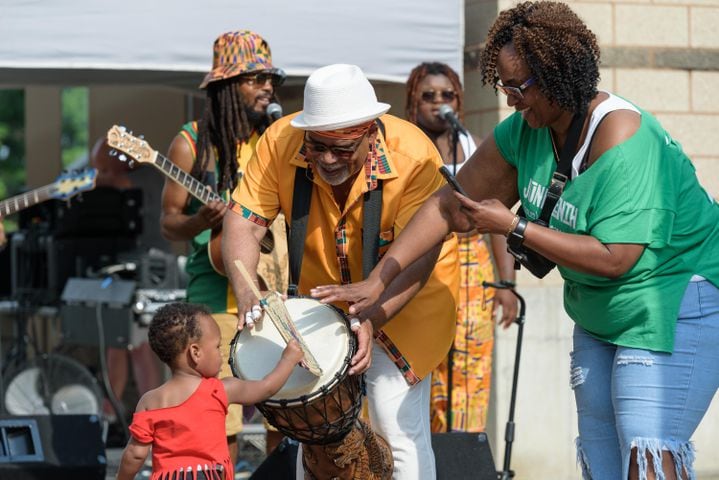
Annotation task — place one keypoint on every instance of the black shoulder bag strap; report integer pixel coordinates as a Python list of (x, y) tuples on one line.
[(564, 167), (301, 200)]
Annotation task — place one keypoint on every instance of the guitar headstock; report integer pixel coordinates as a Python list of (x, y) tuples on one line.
[(71, 183), (137, 148)]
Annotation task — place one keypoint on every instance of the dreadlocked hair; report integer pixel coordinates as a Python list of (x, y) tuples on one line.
[(418, 74), (561, 52), (173, 327), (224, 125)]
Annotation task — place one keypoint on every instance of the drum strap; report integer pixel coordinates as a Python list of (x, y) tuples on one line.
[(301, 200)]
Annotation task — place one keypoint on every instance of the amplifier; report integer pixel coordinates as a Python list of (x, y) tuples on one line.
[(90, 305)]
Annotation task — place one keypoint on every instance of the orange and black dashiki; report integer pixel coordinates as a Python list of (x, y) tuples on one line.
[(473, 344)]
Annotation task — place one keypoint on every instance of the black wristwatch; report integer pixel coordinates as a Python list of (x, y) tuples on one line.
[(516, 236)]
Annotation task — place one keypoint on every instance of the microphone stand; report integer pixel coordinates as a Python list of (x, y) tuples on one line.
[(450, 356), (507, 473)]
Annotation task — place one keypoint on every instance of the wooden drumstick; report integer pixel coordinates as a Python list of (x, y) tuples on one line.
[(248, 278), (280, 317)]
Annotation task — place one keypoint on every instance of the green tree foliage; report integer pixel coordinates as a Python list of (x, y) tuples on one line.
[(74, 139)]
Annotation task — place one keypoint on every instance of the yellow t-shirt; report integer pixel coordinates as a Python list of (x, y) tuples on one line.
[(420, 335)]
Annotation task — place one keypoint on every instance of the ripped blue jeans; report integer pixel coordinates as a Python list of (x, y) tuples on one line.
[(629, 397)]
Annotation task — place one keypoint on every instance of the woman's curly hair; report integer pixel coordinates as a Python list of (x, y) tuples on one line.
[(561, 52), (173, 327), (417, 75)]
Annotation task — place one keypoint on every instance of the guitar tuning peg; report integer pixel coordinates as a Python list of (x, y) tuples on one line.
[(122, 157), (113, 153), (131, 163), (141, 137), (122, 128)]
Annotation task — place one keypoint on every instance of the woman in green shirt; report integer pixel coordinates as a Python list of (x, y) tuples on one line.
[(634, 235)]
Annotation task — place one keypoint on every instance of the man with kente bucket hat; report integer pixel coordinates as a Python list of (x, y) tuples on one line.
[(346, 146), (215, 150)]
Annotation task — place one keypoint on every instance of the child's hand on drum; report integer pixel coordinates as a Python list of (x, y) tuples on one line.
[(293, 352)]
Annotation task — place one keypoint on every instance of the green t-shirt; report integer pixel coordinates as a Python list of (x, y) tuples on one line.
[(643, 191)]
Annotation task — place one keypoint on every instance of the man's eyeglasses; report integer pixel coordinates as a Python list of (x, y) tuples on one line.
[(517, 92), (445, 95), (261, 78), (342, 152)]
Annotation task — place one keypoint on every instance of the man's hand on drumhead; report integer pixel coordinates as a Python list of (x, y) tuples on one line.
[(363, 358), (360, 295)]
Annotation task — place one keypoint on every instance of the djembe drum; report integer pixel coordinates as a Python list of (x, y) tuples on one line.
[(321, 412)]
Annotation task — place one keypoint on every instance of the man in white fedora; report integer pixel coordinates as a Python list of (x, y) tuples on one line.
[(346, 145)]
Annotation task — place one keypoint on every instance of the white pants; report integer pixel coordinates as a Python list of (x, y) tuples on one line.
[(400, 413)]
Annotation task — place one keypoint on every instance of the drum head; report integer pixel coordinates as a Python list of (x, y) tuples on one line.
[(256, 352)]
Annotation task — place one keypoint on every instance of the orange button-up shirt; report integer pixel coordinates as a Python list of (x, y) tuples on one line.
[(419, 336)]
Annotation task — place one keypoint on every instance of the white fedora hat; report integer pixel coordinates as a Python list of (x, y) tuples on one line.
[(338, 96)]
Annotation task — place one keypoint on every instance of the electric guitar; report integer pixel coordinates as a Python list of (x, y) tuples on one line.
[(141, 151), (65, 186)]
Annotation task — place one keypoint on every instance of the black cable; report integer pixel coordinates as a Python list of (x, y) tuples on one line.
[(114, 401)]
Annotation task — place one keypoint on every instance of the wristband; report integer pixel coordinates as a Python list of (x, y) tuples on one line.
[(516, 236)]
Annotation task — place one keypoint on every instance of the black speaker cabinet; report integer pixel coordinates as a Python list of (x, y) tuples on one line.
[(463, 455), (61, 447), (281, 464)]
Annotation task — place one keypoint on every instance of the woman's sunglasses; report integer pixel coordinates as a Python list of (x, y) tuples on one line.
[(445, 95)]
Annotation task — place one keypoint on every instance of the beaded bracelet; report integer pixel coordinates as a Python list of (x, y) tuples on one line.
[(514, 223)]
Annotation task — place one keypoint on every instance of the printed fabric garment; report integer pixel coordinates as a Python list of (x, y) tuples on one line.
[(642, 191), (471, 354), (189, 434)]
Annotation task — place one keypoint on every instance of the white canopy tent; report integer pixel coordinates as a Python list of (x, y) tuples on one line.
[(170, 42)]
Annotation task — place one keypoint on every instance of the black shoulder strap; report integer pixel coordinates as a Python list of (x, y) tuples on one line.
[(564, 167), (372, 217), (301, 199)]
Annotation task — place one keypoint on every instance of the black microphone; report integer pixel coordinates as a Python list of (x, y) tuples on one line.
[(274, 111), (446, 113)]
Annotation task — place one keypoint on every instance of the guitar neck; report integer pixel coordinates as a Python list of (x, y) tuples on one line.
[(26, 200), (193, 186)]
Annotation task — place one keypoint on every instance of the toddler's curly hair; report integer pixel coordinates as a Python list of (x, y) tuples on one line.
[(173, 327)]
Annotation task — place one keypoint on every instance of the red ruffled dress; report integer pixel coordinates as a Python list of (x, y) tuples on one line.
[(188, 435)]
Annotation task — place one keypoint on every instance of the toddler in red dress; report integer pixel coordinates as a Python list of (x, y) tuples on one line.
[(183, 420)]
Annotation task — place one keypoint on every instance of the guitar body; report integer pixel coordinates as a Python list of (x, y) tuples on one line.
[(214, 251), (272, 268)]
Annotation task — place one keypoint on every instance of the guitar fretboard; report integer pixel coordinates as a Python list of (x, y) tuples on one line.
[(196, 188), (28, 199)]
